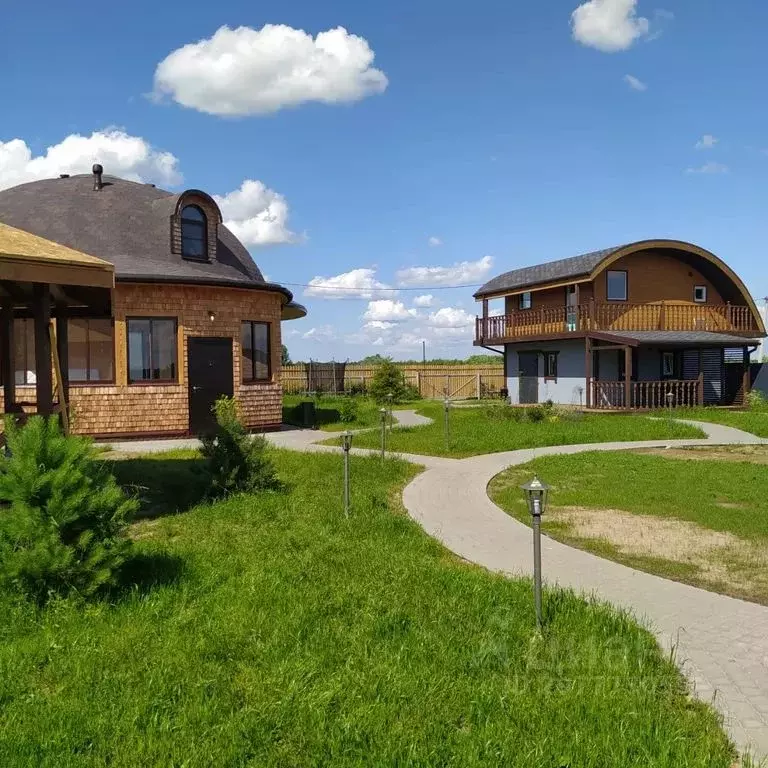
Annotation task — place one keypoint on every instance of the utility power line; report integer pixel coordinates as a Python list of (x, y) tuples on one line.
[(376, 290)]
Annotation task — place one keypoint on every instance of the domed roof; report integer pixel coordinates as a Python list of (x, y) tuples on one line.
[(127, 224)]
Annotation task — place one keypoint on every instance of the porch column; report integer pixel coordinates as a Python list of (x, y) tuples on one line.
[(627, 377), (7, 357), (484, 329), (41, 307), (588, 370), (746, 381), (62, 347)]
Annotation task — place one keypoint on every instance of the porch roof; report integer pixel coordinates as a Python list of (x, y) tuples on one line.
[(682, 338), (27, 258)]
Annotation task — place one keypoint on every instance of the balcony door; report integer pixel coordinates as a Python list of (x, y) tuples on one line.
[(571, 308)]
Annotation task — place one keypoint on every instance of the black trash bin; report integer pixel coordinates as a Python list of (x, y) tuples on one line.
[(305, 412)]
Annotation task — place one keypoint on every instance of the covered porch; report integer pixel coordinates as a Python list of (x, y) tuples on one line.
[(44, 284), (667, 369)]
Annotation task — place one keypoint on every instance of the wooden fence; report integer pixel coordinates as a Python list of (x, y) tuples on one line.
[(431, 381)]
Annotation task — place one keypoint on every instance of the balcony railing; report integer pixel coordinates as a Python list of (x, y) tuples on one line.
[(616, 396), (616, 317)]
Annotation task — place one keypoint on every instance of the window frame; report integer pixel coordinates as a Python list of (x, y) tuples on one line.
[(204, 224), (151, 382), (521, 301), (252, 324), (608, 273), (702, 288), (92, 382), (550, 356), (666, 354)]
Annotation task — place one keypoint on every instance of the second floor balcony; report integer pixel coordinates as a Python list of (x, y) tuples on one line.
[(614, 317)]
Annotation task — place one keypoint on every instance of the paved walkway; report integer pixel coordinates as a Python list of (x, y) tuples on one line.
[(721, 643)]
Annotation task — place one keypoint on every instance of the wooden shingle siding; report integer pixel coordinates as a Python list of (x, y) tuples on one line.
[(123, 409)]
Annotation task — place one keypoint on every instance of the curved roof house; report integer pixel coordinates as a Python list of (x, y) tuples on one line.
[(644, 325), (186, 317)]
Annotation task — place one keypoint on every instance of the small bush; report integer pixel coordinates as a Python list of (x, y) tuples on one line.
[(348, 410), (237, 461), (63, 516), (357, 389), (388, 379), (504, 413), (536, 413), (757, 401), (411, 393)]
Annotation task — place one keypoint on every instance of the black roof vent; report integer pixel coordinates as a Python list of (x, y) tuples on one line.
[(97, 171), (63, 175)]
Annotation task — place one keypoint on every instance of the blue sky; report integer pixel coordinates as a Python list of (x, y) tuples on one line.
[(511, 133)]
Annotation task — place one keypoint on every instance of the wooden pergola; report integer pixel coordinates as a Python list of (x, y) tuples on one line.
[(50, 283)]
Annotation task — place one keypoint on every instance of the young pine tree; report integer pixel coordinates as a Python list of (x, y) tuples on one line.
[(388, 379), (237, 461), (62, 514)]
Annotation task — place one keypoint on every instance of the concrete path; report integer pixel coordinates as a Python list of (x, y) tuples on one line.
[(720, 643)]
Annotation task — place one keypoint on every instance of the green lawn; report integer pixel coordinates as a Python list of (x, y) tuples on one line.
[(475, 431), (755, 422), (270, 631), (722, 496)]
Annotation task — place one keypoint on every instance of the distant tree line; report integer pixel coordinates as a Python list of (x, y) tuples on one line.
[(374, 360)]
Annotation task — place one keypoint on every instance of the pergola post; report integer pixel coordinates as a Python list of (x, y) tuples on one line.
[(41, 308), (62, 346), (746, 381), (7, 357)]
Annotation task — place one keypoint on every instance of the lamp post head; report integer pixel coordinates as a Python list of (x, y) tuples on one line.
[(447, 403), (536, 493), (383, 414), (346, 440)]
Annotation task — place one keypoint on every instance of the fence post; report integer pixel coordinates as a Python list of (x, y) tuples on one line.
[(418, 382), (478, 386)]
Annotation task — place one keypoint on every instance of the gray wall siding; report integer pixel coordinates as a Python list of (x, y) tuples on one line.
[(570, 372)]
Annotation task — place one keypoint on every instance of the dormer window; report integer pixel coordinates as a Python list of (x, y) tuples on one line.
[(194, 233)]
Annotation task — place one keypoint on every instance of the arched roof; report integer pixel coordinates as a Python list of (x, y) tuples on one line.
[(127, 224), (587, 266)]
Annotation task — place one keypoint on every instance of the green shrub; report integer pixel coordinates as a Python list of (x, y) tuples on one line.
[(388, 379), (348, 410), (504, 412), (537, 413), (237, 462), (411, 393), (63, 515), (757, 401)]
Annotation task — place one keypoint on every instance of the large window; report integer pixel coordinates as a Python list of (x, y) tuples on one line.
[(89, 347), (194, 233), (525, 301), (255, 344), (616, 289), (151, 349), (24, 351), (550, 365)]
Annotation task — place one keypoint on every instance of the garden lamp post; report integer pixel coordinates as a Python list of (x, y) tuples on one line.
[(390, 398), (670, 399), (447, 421), (536, 496), (346, 444), (383, 416)]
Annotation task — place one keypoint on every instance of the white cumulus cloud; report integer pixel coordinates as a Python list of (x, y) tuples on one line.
[(608, 25), (426, 300), (711, 167), (121, 154), (457, 274), (248, 71), (634, 83), (357, 283), (321, 333), (378, 325), (434, 241), (451, 317), (707, 141), (388, 311), (256, 214)]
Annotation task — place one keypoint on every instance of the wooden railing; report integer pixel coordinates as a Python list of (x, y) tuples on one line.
[(613, 395), (663, 316)]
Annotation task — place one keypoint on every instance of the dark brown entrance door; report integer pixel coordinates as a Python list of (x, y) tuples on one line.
[(209, 377), (528, 366)]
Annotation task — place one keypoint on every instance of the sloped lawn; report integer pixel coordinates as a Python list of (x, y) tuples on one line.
[(270, 631), (478, 430), (754, 421)]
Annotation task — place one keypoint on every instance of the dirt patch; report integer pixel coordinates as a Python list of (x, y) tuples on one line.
[(721, 559), (754, 454)]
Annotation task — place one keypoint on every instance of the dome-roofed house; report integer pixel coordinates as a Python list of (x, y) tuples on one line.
[(158, 308)]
